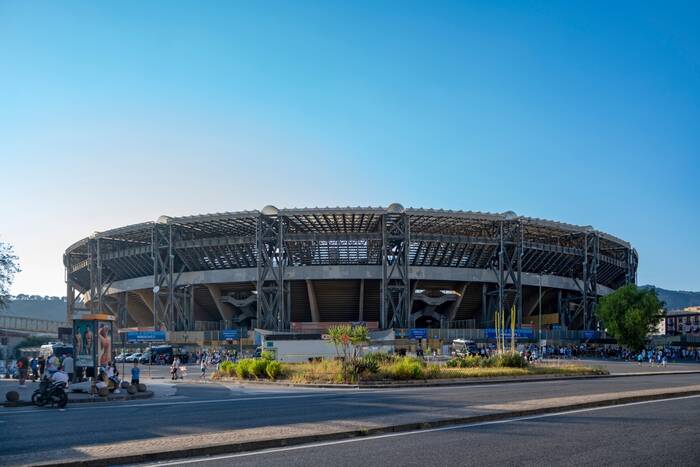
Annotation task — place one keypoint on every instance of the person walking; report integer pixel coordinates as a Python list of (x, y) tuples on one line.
[(174, 368), (68, 367), (135, 373), (203, 368), (42, 365), (23, 367), (34, 365)]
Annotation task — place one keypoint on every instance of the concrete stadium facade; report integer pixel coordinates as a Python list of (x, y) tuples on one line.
[(276, 268)]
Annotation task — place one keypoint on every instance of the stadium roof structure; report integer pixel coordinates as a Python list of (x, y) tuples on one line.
[(401, 242)]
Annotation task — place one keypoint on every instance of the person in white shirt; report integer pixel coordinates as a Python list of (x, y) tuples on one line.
[(68, 367), (60, 376), (52, 364)]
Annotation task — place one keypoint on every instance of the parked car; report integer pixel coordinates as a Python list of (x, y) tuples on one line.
[(144, 357), (120, 358), (134, 357)]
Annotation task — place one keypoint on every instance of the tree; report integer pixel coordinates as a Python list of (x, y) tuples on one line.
[(8, 268), (347, 340), (630, 314)]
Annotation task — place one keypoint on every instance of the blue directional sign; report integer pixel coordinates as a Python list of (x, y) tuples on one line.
[(520, 333), (231, 334), (418, 333), (145, 336), (590, 334)]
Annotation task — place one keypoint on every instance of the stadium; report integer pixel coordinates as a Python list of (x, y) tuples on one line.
[(294, 269)]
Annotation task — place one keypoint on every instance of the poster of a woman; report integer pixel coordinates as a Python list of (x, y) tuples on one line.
[(82, 337), (104, 343)]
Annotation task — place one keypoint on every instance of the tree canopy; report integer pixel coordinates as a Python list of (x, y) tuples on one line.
[(630, 314), (9, 266)]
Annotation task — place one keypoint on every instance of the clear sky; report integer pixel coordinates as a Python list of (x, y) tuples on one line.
[(117, 112)]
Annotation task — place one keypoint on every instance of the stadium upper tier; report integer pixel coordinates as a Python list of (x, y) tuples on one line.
[(394, 245)]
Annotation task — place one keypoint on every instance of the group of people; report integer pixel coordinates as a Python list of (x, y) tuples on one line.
[(41, 367)]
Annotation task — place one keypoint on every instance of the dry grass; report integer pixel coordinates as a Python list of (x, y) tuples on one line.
[(325, 371), (565, 370)]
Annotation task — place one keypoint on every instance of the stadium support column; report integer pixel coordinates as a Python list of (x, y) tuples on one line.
[(396, 286), (631, 276), (590, 279), (95, 268), (507, 266), (162, 279), (272, 314), (74, 293)]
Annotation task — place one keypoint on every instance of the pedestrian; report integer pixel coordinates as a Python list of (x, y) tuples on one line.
[(23, 367), (34, 364), (68, 367), (135, 373), (174, 368), (42, 365), (203, 368)]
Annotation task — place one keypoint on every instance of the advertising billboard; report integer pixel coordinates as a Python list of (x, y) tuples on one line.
[(84, 343)]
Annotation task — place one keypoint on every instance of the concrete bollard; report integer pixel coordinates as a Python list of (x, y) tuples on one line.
[(12, 396), (132, 389), (141, 387)]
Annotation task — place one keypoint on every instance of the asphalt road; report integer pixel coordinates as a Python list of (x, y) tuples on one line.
[(657, 433), (208, 408)]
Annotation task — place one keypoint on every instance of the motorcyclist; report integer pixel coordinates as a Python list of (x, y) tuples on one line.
[(60, 376)]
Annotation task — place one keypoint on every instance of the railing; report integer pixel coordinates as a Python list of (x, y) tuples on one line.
[(208, 325), (19, 323)]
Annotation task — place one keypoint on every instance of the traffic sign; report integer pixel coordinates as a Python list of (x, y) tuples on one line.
[(145, 336), (231, 334), (418, 333), (520, 333)]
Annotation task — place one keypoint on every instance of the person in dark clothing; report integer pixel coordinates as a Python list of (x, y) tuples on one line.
[(42, 365)]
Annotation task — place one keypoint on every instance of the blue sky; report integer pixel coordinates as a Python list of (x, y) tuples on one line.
[(118, 112)]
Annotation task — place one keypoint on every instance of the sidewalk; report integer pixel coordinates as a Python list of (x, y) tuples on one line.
[(249, 439), (25, 394)]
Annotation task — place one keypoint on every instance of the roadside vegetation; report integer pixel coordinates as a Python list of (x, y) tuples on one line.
[(380, 367)]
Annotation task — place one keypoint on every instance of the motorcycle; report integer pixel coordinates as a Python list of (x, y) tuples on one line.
[(50, 392)]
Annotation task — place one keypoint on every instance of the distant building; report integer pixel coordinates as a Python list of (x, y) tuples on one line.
[(684, 321)]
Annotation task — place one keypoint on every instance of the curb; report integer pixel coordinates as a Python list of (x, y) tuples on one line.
[(110, 398), (455, 381), (231, 448)]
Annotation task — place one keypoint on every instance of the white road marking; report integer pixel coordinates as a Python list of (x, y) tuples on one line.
[(103, 406), (409, 433), (330, 392)]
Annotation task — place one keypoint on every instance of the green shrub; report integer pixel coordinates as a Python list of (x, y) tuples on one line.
[(383, 357), (453, 363), (258, 367), (244, 369), (267, 355), (227, 368), (273, 369), (367, 364), (505, 360), (404, 368)]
